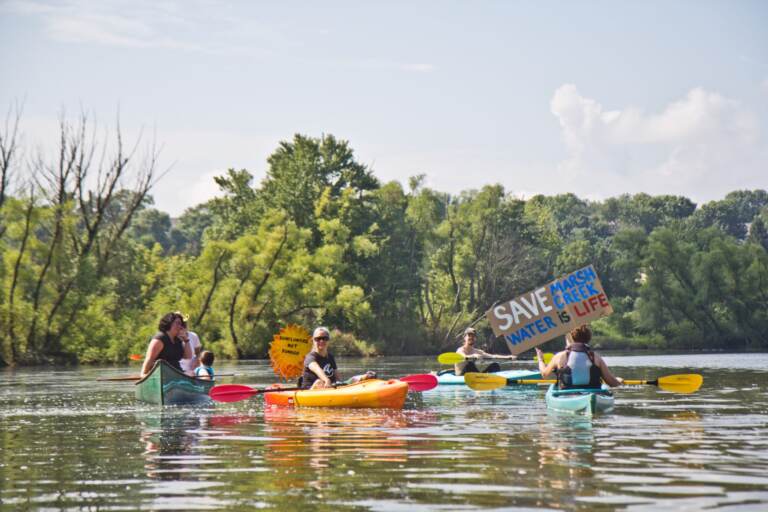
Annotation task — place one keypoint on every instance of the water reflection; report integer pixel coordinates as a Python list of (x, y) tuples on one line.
[(168, 438), (65, 445)]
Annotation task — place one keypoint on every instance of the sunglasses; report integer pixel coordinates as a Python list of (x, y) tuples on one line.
[(322, 338)]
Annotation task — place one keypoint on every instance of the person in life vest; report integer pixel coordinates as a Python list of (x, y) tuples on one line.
[(578, 366), (472, 354)]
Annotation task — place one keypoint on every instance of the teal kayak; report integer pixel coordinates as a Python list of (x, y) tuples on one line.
[(451, 378), (165, 385), (580, 400)]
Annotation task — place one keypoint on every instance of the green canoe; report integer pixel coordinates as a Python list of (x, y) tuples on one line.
[(584, 401), (165, 385)]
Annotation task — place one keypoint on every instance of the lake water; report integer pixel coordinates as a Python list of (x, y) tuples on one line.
[(68, 442)]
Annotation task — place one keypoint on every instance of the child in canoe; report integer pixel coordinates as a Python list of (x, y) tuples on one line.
[(205, 370)]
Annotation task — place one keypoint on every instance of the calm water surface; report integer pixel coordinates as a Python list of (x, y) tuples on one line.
[(68, 442)]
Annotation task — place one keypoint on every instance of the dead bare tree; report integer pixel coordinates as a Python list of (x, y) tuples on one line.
[(56, 182), (8, 149), (100, 226)]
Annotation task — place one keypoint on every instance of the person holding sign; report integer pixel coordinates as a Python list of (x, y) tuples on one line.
[(320, 370), (578, 366), (471, 353)]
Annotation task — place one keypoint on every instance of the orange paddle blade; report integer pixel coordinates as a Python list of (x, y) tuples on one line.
[(135, 357)]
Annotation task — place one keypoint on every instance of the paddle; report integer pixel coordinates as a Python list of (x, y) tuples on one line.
[(138, 377), (682, 383), (135, 357), (420, 381), (237, 392), (454, 358)]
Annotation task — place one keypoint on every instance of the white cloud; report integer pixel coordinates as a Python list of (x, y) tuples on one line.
[(702, 146)]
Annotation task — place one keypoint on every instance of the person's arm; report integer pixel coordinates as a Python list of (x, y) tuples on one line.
[(481, 354), (458, 368), (197, 347), (315, 368), (187, 349), (185, 345), (608, 377), (503, 356), (153, 350), (547, 369)]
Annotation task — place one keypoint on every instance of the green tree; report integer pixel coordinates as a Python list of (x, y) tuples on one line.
[(307, 169)]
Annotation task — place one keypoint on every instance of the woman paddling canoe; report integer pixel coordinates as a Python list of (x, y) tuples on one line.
[(170, 344), (578, 366)]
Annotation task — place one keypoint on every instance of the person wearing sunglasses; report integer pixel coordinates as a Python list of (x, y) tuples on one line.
[(320, 370)]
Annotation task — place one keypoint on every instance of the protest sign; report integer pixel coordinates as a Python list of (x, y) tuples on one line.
[(549, 311)]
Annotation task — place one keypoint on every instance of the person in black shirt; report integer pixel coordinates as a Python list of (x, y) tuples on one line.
[(320, 370), (169, 344)]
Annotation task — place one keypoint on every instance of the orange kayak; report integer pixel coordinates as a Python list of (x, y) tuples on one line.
[(374, 393)]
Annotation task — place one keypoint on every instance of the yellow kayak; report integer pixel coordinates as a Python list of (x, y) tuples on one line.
[(374, 393)]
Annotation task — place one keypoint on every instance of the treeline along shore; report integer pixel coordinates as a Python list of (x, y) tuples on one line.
[(90, 262)]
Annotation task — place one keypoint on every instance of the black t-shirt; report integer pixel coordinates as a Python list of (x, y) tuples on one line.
[(328, 364), (172, 351)]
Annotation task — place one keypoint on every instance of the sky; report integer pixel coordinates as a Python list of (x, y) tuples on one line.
[(598, 98)]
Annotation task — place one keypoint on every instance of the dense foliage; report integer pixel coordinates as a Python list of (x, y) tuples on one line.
[(88, 266)]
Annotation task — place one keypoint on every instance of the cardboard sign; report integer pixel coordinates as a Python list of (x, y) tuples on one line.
[(550, 311), (287, 351)]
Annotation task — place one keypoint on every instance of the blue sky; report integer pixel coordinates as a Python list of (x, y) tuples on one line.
[(596, 98)]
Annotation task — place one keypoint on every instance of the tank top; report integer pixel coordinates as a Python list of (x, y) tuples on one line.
[(580, 370), (172, 352)]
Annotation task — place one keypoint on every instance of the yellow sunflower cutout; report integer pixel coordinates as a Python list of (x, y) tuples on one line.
[(287, 351)]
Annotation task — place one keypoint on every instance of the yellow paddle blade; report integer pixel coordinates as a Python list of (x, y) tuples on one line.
[(683, 383), (450, 358), (547, 356), (484, 381), (689, 383)]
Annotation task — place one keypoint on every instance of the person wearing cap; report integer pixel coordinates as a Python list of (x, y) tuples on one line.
[(471, 354), (320, 370)]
